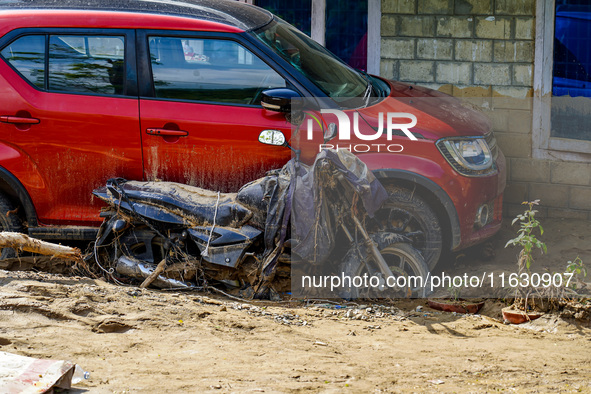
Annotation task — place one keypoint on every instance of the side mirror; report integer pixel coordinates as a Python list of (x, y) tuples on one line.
[(281, 100), (272, 137), (330, 132)]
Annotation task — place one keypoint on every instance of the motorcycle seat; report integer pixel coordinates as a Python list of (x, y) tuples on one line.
[(197, 205)]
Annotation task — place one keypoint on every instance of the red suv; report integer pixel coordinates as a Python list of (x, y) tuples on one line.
[(172, 90)]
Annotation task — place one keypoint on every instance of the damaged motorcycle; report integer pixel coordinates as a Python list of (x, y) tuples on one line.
[(299, 218)]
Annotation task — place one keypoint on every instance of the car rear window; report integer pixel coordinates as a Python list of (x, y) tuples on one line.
[(87, 64), (27, 56), (75, 63), (209, 70)]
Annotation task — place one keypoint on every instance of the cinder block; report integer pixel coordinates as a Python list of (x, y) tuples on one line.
[(516, 193), (454, 73), (472, 91), (512, 210), (435, 7), (523, 74), (388, 26), (523, 93), (493, 27), (530, 170), (474, 50), (580, 198), (473, 7), (558, 213), (519, 121), (447, 89), (555, 196), (508, 102), (436, 86), (525, 28), (481, 104), (515, 145), (434, 48), (499, 119), (457, 27), (570, 173), (389, 69), (514, 7), (398, 48), (417, 71), (398, 6), (417, 26), (492, 74), (514, 51)]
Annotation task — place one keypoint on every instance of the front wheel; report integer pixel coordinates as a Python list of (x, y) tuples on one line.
[(407, 213), (410, 272)]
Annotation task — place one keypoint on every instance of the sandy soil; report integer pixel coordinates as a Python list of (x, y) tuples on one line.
[(149, 341), (566, 239)]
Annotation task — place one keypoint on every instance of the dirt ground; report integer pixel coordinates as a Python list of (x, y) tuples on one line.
[(150, 341)]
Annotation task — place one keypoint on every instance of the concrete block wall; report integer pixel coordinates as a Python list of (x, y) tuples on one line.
[(563, 188), (488, 44), (483, 51)]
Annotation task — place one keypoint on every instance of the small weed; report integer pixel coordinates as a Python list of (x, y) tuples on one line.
[(454, 291), (526, 237), (578, 269)]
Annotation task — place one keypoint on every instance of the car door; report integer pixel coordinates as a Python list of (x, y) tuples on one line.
[(200, 112), (70, 117)]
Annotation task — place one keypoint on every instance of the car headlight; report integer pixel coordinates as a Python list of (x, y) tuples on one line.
[(468, 156)]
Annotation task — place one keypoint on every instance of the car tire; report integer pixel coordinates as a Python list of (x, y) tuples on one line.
[(9, 221), (407, 213)]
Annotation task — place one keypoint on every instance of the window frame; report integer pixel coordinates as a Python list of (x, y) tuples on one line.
[(544, 145), (146, 81), (130, 88), (217, 67)]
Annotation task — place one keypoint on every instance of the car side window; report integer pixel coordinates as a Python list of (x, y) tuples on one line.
[(211, 70), (86, 64), (27, 55)]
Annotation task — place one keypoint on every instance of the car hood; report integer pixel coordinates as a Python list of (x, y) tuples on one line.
[(438, 114)]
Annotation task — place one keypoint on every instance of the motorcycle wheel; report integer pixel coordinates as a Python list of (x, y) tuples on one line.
[(404, 261)]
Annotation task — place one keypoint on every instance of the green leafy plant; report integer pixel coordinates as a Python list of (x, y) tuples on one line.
[(578, 269), (526, 237), (454, 291)]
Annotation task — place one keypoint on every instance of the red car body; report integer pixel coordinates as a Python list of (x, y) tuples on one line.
[(56, 146)]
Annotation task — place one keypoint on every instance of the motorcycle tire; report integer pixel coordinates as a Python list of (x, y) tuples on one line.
[(402, 259)]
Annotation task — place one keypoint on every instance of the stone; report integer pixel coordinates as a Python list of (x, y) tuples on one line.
[(454, 73), (492, 74), (474, 50), (456, 27), (433, 48)]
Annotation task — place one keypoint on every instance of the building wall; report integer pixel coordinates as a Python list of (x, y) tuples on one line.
[(483, 51)]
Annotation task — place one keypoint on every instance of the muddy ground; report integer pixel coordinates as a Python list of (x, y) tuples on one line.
[(150, 341)]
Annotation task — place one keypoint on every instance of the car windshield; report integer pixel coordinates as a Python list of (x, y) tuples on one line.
[(325, 70)]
